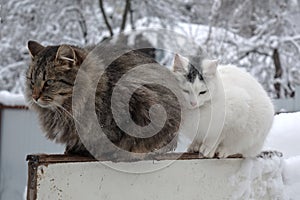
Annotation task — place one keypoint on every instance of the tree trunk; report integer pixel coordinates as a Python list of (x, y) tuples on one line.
[(105, 18), (127, 8), (131, 17), (278, 72)]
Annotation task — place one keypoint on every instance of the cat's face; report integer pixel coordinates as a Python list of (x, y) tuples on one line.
[(51, 74), (196, 84)]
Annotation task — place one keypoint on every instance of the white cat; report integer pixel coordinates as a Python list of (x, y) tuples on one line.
[(228, 110)]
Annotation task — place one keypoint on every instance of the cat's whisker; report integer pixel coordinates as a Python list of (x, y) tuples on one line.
[(30, 103), (63, 110), (66, 112)]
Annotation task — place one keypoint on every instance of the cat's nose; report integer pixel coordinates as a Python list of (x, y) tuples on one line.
[(193, 103), (35, 96)]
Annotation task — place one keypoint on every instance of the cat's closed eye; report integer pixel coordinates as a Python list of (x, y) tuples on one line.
[(203, 92), (186, 91)]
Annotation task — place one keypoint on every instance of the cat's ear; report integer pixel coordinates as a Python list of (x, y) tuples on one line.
[(70, 55), (180, 64), (209, 67), (34, 48), (66, 53)]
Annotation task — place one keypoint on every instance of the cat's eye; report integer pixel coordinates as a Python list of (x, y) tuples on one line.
[(49, 82), (203, 92), (186, 91)]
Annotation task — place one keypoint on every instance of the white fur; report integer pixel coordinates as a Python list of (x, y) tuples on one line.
[(236, 118)]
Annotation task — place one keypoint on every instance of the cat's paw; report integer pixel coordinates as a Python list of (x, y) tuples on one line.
[(194, 147), (222, 152), (206, 151)]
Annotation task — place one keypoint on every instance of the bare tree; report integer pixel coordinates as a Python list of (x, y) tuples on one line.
[(131, 17), (213, 17), (105, 18), (124, 19), (278, 72)]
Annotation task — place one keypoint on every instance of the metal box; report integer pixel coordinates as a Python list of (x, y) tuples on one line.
[(161, 178)]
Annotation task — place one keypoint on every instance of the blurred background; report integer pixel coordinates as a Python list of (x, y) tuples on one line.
[(263, 37)]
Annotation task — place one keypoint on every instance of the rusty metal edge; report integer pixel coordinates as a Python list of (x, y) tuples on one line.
[(57, 158), (32, 180), (0, 126), (0, 136), (45, 159), (18, 107), (62, 158)]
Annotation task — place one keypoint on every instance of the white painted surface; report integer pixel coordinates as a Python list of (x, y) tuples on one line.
[(20, 136), (182, 180)]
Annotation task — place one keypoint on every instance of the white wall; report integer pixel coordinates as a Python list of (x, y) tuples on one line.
[(20, 135)]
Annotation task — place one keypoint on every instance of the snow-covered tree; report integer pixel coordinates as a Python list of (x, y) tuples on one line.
[(261, 36), (49, 22)]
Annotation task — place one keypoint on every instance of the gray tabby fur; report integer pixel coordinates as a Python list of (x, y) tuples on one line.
[(53, 100)]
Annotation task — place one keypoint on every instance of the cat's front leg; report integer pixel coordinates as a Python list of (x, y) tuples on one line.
[(206, 151), (195, 146), (222, 152), (208, 148), (211, 140)]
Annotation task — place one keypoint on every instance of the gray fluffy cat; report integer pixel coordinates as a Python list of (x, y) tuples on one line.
[(49, 88)]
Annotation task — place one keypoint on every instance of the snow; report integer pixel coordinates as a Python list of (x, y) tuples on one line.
[(258, 178), (285, 137), (291, 174), (11, 99), (285, 134)]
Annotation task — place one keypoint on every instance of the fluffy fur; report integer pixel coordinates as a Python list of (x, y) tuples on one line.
[(234, 117), (49, 89)]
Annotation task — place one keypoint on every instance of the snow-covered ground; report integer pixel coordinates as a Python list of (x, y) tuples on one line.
[(285, 137)]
